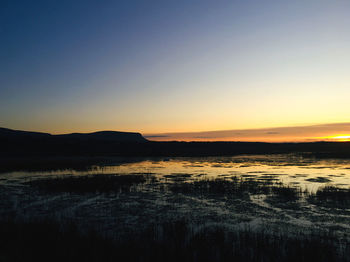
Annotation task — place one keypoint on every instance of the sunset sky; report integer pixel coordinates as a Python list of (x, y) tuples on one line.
[(162, 67)]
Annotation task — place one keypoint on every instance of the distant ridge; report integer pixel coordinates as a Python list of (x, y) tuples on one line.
[(16, 143), (11, 133), (112, 136)]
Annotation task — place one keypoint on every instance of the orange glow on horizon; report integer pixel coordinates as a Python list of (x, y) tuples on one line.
[(279, 139), (327, 132), (340, 138)]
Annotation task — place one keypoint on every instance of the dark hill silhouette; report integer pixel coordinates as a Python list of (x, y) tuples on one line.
[(23, 143), (10, 133), (15, 143), (112, 136)]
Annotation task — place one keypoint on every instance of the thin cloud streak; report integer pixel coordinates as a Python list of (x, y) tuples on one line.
[(322, 132)]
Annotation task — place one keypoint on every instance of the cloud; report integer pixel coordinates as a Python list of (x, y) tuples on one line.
[(272, 133), (155, 136), (277, 134)]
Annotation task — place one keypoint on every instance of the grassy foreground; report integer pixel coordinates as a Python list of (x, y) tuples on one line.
[(173, 241)]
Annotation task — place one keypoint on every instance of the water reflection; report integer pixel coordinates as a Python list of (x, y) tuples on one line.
[(294, 170), (287, 194)]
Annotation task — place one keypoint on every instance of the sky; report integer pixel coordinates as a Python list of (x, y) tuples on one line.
[(327, 132), (175, 66)]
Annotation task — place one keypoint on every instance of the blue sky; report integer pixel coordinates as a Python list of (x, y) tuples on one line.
[(171, 66)]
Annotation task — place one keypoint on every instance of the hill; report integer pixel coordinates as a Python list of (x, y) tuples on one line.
[(113, 136), (15, 143)]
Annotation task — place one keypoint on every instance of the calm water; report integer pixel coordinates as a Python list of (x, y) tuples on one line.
[(289, 169), (153, 203)]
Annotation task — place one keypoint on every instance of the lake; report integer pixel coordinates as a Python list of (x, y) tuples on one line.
[(287, 194)]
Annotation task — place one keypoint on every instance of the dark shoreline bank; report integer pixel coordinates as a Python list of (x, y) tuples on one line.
[(16, 143), (96, 148)]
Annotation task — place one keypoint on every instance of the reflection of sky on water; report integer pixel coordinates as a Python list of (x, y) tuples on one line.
[(294, 170)]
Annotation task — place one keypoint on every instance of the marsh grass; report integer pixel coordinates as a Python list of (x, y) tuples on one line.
[(103, 183), (287, 193), (227, 187), (171, 241), (331, 196), (179, 240), (276, 192), (237, 187)]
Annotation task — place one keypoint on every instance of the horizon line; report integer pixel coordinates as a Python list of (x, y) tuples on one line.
[(339, 131)]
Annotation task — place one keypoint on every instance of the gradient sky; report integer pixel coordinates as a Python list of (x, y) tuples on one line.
[(173, 66), (311, 133)]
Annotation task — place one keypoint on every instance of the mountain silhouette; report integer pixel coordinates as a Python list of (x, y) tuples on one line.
[(15, 143), (112, 136)]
